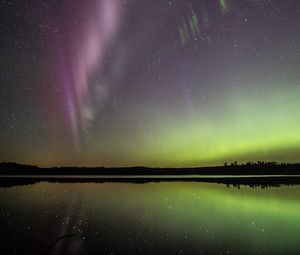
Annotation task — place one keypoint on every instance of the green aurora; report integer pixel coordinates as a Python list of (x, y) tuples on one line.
[(252, 127)]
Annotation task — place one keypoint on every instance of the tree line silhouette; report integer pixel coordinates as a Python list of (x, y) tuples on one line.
[(228, 174), (249, 168)]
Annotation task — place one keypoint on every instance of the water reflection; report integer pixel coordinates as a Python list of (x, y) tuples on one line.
[(253, 182), (152, 218)]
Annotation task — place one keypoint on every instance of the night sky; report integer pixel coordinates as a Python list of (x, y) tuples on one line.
[(154, 83)]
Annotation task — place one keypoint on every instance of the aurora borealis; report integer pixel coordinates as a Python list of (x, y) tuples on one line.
[(155, 83)]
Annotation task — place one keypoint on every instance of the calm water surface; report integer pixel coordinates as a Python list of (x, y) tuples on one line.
[(152, 218)]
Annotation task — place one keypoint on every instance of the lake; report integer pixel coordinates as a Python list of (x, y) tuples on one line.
[(174, 217)]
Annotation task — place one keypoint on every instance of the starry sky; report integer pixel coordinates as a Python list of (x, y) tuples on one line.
[(155, 83)]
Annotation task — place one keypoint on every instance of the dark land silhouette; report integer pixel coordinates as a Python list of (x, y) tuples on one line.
[(249, 168), (254, 174)]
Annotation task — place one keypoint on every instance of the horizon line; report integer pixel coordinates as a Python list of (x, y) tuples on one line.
[(226, 164)]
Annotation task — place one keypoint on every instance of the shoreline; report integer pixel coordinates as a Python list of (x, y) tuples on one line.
[(9, 181)]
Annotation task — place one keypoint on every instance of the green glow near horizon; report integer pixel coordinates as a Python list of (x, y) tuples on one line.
[(250, 128), (256, 125)]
